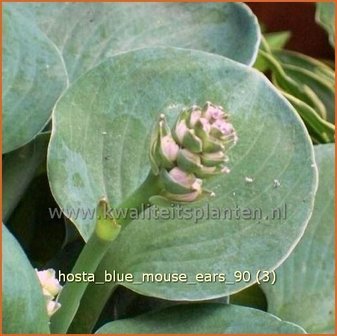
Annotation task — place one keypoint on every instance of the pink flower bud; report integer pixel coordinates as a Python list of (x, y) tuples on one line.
[(181, 177), (223, 126), (211, 159), (206, 126), (194, 117), (213, 112), (196, 149), (180, 130), (169, 148)]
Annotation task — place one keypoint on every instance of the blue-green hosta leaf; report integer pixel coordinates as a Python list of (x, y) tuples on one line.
[(33, 78), (99, 147), (24, 307), (304, 290), (201, 319), (86, 33), (325, 16)]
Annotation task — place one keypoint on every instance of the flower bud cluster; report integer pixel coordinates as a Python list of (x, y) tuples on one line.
[(50, 288), (195, 149)]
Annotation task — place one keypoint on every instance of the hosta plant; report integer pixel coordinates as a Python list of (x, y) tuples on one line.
[(154, 181)]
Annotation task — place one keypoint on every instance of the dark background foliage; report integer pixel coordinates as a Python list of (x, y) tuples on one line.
[(299, 18)]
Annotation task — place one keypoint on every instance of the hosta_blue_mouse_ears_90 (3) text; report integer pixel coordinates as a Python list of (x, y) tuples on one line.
[(195, 149)]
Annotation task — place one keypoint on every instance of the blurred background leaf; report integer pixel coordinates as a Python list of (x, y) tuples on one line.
[(308, 84), (277, 40), (325, 16)]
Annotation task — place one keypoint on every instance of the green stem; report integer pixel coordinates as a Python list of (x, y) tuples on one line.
[(139, 200), (91, 307), (72, 292), (91, 256)]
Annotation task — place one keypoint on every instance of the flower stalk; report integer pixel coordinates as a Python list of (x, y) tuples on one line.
[(105, 232), (181, 159)]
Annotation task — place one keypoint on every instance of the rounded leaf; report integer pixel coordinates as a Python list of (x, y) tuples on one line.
[(304, 290), (99, 148), (24, 307), (203, 318), (88, 33), (33, 78)]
